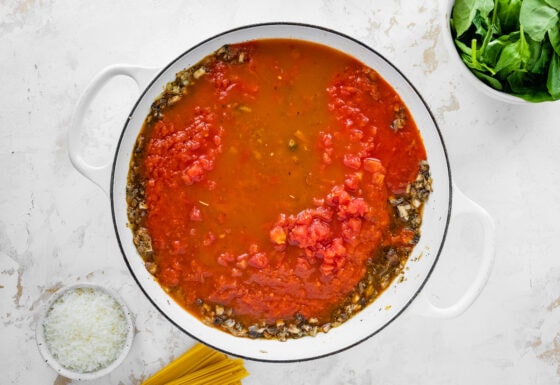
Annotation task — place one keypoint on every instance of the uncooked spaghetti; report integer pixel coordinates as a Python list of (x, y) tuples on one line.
[(200, 365)]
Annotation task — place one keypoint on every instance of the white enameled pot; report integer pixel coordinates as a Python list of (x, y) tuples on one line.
[(112, 179)]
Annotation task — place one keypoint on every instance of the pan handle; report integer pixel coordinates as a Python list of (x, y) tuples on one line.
[(100, 175), (462, 205)]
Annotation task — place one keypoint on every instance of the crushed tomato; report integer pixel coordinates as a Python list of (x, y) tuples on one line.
[(267, 184)]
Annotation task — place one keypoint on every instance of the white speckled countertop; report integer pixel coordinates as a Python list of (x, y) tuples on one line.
[(55, 225)]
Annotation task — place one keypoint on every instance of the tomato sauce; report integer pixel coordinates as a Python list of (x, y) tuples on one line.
[(267, 184)]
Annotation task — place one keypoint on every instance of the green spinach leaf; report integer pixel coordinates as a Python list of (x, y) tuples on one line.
[(474, 64), (508, 14), (481, 23), (554, 37), (553, 80), (513, 57), (495, 47), (462, 47), (464, 12), (521, 82), (539, 60), (491, 81), (537, 17), (554, 4)]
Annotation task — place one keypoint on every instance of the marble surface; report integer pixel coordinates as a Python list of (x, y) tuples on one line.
[(55, 225)]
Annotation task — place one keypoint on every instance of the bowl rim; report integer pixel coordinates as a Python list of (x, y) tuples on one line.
[(43, 345), (438, 133)]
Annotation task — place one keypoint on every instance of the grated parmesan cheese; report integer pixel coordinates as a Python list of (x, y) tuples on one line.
[(85, 329)]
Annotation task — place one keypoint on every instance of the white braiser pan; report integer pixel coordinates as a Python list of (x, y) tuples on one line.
[(444, 202)]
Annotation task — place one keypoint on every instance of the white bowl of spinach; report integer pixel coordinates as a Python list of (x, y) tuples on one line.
[(511, 46)]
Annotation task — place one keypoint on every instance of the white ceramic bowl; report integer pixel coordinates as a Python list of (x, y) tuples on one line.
[(467, 73), (50, 358), (112, 177)]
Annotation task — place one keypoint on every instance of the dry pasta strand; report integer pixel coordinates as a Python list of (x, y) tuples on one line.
[(193, 360), (178, 367), (224, 372)]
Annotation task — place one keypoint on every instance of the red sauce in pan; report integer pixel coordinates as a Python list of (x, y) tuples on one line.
[(267, 184)]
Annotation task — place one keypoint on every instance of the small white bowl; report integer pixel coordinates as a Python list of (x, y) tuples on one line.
[(50, 357), (476, 82)]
